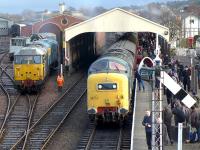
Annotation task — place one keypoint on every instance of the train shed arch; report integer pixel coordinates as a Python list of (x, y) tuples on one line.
[(117, 20)]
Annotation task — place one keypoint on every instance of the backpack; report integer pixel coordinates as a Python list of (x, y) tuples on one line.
[(193, 136)]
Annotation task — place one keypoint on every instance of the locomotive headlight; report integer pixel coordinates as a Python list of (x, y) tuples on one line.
[(99, 86), (114, 86)]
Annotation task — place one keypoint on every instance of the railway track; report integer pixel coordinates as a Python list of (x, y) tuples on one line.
[(109, 136), (41, 131), (7, 86), (2, 55), (6, 76), (7, 79), (19, 108), (18, 119)]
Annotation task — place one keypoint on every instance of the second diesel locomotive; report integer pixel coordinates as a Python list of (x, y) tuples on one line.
[(32, 64), (110, 83)]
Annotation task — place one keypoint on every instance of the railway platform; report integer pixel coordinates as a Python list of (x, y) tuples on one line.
[(143, 102)]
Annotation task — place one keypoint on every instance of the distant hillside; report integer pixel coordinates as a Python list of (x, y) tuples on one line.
[(182, 4)]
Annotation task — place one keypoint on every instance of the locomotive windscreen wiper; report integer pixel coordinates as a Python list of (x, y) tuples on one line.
[(116, 67)]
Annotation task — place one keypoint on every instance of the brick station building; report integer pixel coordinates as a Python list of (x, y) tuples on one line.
[(56, 25)]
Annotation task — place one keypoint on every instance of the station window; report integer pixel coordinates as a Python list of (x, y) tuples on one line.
[(191, 21)]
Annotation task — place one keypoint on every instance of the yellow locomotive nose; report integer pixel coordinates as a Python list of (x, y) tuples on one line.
[(29, 71), (28, 75), (107, 93)]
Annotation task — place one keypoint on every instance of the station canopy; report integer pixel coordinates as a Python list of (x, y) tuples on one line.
[(117, 20)]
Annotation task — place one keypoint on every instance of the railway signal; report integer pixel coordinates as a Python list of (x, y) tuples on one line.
[(177, 90)]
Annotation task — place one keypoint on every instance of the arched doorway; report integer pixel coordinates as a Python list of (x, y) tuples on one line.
[(52, 28)]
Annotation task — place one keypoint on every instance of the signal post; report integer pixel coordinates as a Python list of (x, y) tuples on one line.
[(155, 71)]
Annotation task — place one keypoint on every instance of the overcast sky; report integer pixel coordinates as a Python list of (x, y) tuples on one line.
[(17, 6)]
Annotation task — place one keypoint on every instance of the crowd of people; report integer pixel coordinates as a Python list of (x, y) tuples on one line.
[(175, 109), (190, 117)]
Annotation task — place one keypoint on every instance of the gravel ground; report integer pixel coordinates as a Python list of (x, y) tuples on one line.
[(72, 130), (3, 98), (50, 93), (3, 106)]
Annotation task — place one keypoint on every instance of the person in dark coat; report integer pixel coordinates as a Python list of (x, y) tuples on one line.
[(195, 120), (186, 79), (167, 118), (140, 81), (147, 122), (180, 72), (196, 98), (178, 112), (169, 96)]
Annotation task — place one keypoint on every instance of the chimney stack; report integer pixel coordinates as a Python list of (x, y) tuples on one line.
[(61, 7)]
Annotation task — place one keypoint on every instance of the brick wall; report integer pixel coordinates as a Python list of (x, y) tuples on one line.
[(26, 30), (57, 20)]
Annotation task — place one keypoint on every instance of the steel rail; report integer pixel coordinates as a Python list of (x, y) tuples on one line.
[(44, 114), (120, 139), (4, 71), (90, 138), (62, 121), (32, 107), (9, 110)]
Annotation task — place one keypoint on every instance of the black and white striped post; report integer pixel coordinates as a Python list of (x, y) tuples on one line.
[(177, 90)]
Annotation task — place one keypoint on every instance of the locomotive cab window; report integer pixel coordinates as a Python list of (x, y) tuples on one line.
[(98, 66), (18, 59), (27, 60), (24, 60), (107, 86), (116, 66), (37, 59), (108, 66)]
